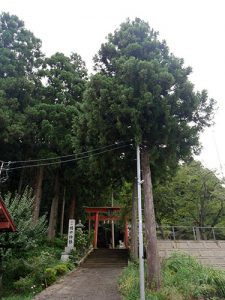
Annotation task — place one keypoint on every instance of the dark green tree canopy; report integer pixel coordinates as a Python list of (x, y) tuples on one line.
[(65, 78), (19, 49), (193, 197), (61, 85), (48, 126), (141, 91), (20, 57)]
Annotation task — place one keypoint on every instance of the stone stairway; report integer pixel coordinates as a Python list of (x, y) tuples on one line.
[(211, 253), (106, 258), (95, 279)]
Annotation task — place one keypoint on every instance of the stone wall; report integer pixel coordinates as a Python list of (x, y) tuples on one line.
[(208, 252)]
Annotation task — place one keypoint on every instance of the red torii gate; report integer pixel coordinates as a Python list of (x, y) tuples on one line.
[(96, 217), (6, 222)]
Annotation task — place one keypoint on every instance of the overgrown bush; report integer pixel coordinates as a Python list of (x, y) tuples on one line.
[(183, 278), (28, 234), (81, 245), (50, 276), (17, 267), (61, 268), (31, 274), (25, 285), (36, 273), (33, 262), (192, 278), (81, 241)]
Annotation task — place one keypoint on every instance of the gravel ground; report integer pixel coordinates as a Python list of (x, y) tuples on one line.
[(85, 284)]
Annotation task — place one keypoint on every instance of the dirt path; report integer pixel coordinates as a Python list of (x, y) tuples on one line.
[(85, 284)]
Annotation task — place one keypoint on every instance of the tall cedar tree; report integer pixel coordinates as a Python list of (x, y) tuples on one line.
[(50, 119), (141, 91), (38, 99), (20, 58)]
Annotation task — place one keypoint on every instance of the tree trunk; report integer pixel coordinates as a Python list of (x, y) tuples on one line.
[(62, 212), (153, 263), (20, 185), (72, 206), (54, 210), (134, 227), (38, 193)]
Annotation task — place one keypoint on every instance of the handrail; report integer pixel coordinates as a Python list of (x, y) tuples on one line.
[(177, 232)]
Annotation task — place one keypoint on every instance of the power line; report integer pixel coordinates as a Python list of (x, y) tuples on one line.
[(65, 161), (4, 177), (65, 156)]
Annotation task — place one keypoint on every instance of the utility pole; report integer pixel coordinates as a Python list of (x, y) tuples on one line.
[(113, 230), (141, 252)]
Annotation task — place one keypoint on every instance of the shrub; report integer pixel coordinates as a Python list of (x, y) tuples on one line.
[(82, 245), (40, 264), (61, 269), (31, 273), (59, 243), (28, 234), (17, 267), (50, 276), (33, 268), (81, 241), (24, 285)]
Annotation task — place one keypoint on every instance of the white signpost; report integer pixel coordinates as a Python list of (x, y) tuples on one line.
[(70, 240), (71, 234)]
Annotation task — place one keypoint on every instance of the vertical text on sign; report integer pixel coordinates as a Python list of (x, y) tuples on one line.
[(71, 233)]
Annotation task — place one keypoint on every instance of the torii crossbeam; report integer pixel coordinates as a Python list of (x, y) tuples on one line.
[(94, 214)]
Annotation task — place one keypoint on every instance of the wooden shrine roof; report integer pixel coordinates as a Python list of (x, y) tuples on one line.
[(6, 222)]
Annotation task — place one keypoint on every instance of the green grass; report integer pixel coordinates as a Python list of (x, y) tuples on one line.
[(17, 298), (183, 278)]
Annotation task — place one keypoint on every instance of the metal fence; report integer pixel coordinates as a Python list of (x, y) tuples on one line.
[(174, 232)]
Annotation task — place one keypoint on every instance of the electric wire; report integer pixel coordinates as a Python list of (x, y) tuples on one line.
[(5, 177), (65, 156), (68, 160)]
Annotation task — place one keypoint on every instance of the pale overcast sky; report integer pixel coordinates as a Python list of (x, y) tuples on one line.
[(193, 29)]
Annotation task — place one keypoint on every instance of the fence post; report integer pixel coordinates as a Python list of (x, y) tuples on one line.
[(213, 232), (194, 233), (174, 237), (198, 233)]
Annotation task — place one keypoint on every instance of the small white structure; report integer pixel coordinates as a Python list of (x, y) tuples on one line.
[(70, 241), (121, 245)]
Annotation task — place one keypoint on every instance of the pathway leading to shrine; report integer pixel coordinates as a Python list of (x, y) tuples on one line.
[(95, 279)]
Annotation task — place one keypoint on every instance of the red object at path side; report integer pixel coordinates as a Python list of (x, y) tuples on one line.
[(6, 222)]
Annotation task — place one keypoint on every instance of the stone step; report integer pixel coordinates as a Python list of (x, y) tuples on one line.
[(211, 253), (106, 258)]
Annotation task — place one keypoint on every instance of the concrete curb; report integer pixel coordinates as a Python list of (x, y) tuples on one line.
[(84, 257)]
